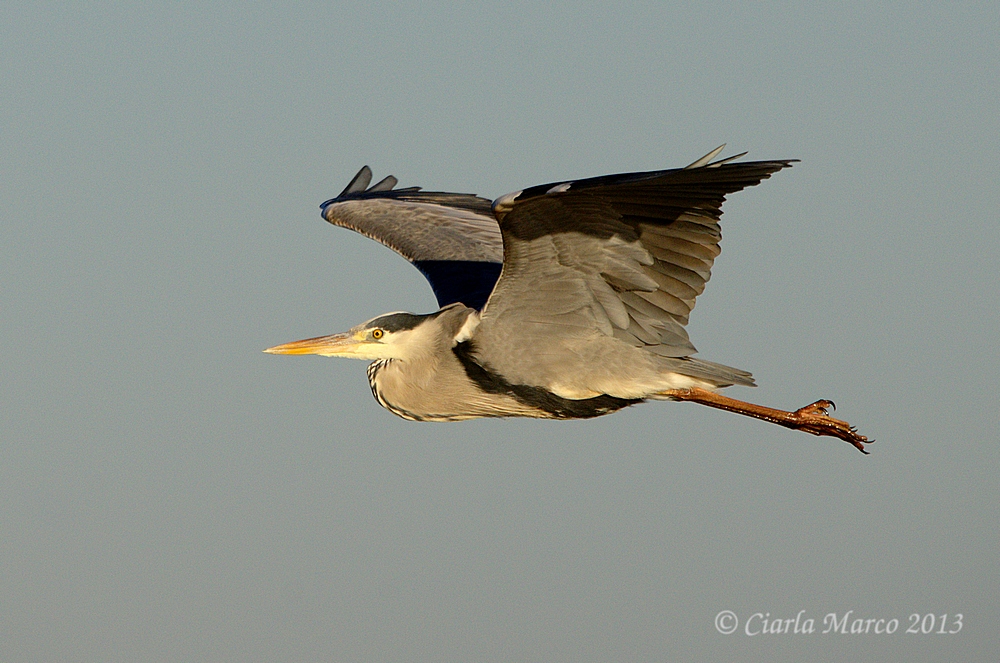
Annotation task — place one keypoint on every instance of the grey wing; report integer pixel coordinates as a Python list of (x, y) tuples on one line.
[(452, 238), (619, 257)]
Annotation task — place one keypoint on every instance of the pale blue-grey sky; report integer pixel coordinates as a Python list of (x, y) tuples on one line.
[(168, 492)]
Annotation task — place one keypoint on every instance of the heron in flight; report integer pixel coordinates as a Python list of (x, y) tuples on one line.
[(566, 300)]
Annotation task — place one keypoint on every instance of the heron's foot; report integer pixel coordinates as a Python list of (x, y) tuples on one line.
[(815, 418)]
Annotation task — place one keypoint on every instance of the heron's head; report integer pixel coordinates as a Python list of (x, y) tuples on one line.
[(390, 336)]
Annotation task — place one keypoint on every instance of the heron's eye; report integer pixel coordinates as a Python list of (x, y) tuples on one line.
[(377, 334)]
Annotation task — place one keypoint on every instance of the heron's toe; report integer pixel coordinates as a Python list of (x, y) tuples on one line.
[(820, 408), (815, 419)]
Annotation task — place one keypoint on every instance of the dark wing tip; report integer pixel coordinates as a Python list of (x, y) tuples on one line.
[(385, 185), (357, 190), (358, 187), (359, 183), (755, 170)]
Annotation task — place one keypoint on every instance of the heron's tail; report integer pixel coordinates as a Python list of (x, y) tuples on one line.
[(719, 375)]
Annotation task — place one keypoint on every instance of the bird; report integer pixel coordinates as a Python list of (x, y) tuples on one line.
[(566, 300)]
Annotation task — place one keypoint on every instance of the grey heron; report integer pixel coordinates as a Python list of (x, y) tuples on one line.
[(565, 300)]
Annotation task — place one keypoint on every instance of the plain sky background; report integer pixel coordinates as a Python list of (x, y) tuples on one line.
[(168, 492)]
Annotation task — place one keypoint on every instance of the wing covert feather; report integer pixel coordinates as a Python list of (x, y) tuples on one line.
[(452, 238), (619, 257)]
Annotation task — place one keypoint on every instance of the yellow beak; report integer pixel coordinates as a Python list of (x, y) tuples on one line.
[(336, 345)]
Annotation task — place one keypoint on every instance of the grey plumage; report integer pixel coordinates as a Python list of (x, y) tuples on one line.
[(419, 225), (431, 383), (599, 277), (616, 263)]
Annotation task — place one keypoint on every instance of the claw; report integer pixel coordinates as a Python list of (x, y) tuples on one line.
[(816, 419)]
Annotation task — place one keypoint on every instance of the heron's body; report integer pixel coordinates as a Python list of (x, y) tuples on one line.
[(453, 383), (567, 300)]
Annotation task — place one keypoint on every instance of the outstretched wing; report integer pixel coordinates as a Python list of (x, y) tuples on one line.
[(452, 238), (621, 256)]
